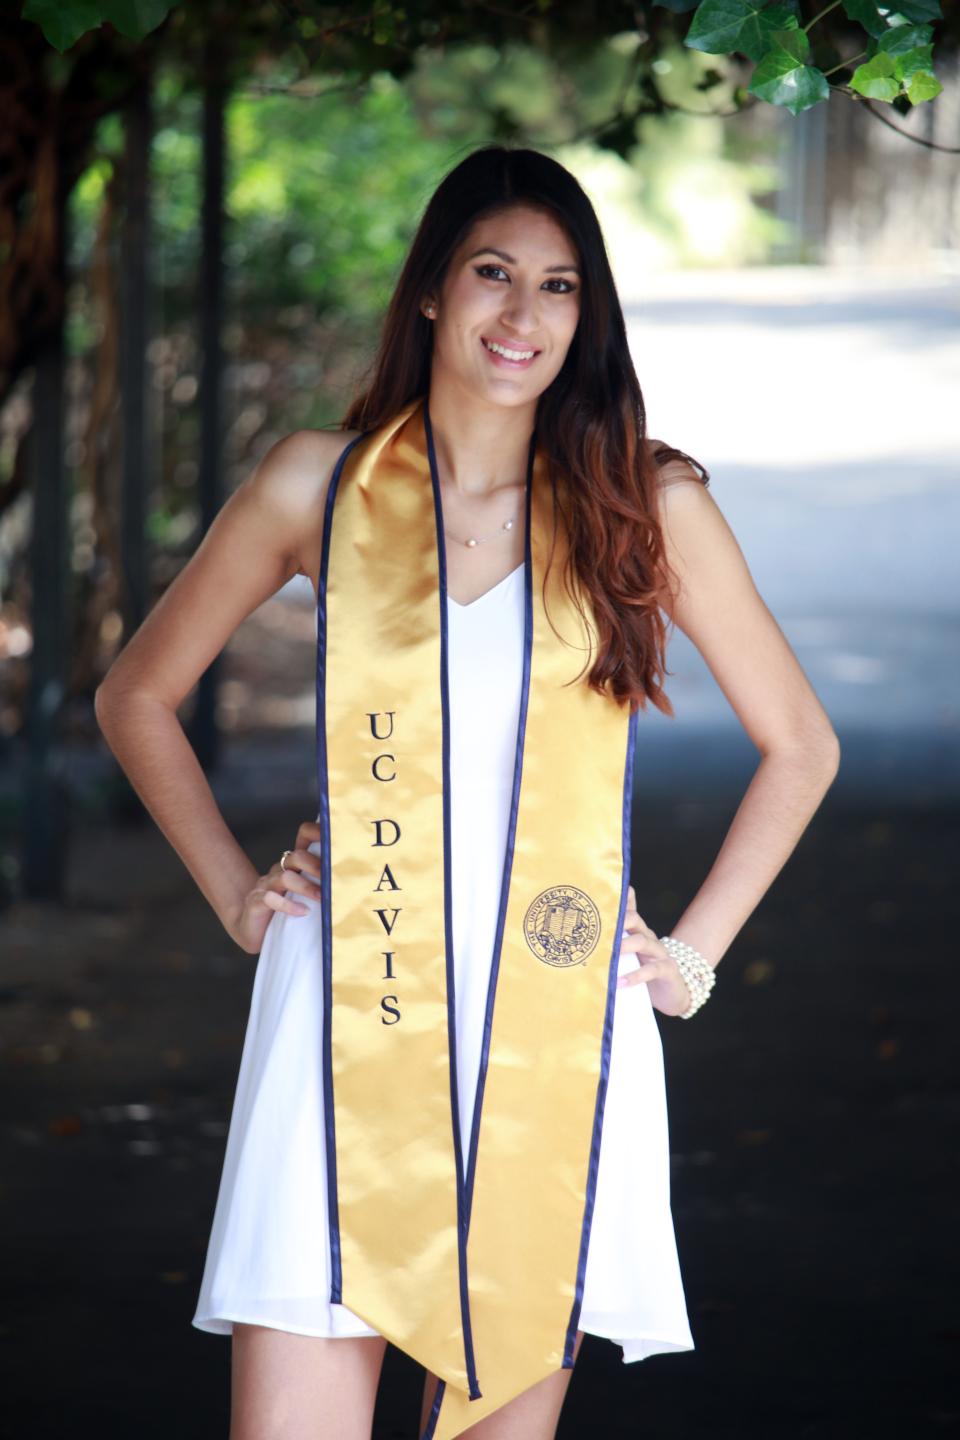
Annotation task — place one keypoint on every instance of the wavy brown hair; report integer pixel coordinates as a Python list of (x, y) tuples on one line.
[(591, 420)]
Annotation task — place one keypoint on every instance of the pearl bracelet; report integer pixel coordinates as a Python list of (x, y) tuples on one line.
[(698, 974)]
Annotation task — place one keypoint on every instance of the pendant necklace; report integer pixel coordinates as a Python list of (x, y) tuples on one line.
[(482, 539)]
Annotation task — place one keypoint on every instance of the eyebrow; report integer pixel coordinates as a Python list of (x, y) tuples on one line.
[(510, 259)]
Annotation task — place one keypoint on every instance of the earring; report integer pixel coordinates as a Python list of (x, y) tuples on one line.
[(430, 309)]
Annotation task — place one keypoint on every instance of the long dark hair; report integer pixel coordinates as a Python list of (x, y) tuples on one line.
[(591, 420)]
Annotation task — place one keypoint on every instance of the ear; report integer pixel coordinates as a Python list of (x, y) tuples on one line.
[(428, 307)]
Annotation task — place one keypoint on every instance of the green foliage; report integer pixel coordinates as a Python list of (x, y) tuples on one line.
[(722, 26), (64, 21), (323, 196), (901, 61), (898, 46), (783, 76), (387, 37), (876, 19), (682, 192), (877, 78)]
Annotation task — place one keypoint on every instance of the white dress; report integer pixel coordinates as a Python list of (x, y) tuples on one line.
[(268, 1259)]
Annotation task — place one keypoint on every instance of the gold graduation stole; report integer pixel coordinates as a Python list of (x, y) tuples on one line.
[(471, 1263)]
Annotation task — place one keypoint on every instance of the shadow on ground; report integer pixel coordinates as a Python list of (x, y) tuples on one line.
[(811, 1109)]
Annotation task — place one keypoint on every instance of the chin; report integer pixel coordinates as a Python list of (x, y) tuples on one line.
[(510, 394), (515, 401)]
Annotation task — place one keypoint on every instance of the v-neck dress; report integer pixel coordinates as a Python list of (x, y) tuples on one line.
[(268, 1257)]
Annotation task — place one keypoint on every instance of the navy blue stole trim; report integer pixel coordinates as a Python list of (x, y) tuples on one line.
[(470, 1360), (606, 1045), (323, 796)]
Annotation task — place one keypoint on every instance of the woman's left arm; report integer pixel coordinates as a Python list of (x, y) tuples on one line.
[(715, 602)]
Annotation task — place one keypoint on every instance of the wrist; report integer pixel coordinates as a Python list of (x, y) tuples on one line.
[(698, 974), (230, 912)]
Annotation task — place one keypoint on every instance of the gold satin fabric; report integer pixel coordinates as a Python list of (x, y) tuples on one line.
[(474, 1272)]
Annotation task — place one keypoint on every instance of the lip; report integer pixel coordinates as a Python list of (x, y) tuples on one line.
[(510, 345)]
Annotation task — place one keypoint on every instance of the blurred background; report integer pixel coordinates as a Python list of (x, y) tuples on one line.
[(203, 215)]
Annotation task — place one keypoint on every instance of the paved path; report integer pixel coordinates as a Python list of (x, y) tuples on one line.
[(826, 406)]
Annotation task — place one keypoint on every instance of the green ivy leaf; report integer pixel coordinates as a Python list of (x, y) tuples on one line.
[(901, 38), (64, 21), (782, 78), (721, 26), (914, 62), (63, 24), (135, 18), (876, 78), (867, 13), (877, 19), (917, 11), (794, 42), (923, 86)]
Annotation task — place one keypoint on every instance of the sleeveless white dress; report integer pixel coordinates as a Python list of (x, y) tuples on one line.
[(268, 1258)]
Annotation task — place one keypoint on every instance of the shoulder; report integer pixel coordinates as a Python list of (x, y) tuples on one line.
[(284, 499), (686, 509), (293, 477), (675, 467), (697, 538)]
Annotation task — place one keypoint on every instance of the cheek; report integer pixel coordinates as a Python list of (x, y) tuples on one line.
[(463, 322), (570, 335), (563, 337), (466, 305)]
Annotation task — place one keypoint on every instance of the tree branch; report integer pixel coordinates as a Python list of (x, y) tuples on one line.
[(878, 115)]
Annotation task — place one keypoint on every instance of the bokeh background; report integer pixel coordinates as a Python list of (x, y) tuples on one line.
[(201, 228)]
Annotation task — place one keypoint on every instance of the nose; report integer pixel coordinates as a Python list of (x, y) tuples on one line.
[(521, 310)]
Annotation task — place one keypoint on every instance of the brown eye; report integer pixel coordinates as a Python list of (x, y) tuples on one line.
[(480, 269)]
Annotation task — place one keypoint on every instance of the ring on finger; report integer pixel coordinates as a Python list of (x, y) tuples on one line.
[(283, 859)]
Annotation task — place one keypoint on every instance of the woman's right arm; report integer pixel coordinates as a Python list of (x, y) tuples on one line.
[(268, 531)]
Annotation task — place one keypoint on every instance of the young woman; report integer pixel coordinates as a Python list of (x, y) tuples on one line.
[(453, 1004)]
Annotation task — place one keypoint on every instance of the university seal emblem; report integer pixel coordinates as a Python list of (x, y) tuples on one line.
[(562, 926)]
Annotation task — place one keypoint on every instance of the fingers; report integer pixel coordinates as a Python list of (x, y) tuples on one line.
[(636, 977), (637, 926), (300, 875), (651, 968), (275, 901), (298, 862), (632, 921), (653, 959), (291, 883)]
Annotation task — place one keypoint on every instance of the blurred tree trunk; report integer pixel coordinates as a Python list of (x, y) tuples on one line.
[(40, 123), (135, 281), (44, 797), (204, 735), (45, 137)]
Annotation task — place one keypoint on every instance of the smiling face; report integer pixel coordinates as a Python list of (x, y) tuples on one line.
[(512, 287)]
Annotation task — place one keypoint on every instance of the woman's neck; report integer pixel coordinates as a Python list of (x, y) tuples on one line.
[(480, 448)]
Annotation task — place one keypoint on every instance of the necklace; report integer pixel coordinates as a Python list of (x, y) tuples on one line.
[(482, 539), (475, 540)]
